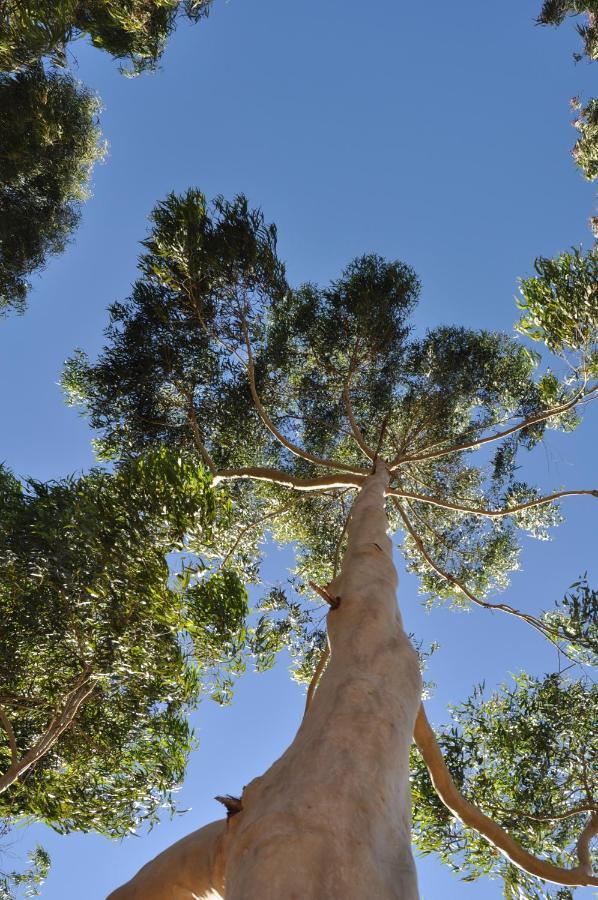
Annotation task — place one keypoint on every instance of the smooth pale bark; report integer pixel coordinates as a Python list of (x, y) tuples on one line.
[(332, 817), (189, 870)]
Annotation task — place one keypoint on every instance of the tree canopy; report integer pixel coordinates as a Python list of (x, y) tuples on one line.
[(49, 124), (270, 386), (132, 31), (103, 651)]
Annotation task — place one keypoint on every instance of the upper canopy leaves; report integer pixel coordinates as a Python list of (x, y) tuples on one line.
[(214, 350)]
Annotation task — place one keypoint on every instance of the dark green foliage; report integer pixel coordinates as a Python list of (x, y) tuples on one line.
[(174, 371), (49, 143), (585, 151), (560, 308), (134, 31), (85, 593), (525, 757), (554, 12)]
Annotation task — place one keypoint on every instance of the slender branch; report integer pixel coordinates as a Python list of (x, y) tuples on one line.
[(536, 623), (252, 525), (583, 843), (559, 817), (472, 817), (198, 440), (82, 689), (294, 448), (489, 513), (322, 663), (469, 445), (286, 479), (14, 750), (357, 432)]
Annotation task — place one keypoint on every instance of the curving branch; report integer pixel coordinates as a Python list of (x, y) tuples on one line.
[(267, 421), (198, 440), (489, 513), (536, 623), (79, 693), (472, 817), (294, 448), (322, 663), (286, 479), (470, 445), (355, 429)]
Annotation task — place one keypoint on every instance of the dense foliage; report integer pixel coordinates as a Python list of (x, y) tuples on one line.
[(134, 31), (49, 144), (98, 638), (211, 311), (554, 12), (526, 756), (560, 308)]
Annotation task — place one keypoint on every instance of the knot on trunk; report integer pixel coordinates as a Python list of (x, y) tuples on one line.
[(333, 602), (233, 805)]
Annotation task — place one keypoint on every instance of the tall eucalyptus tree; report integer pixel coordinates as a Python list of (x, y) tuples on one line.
[(326, 422)]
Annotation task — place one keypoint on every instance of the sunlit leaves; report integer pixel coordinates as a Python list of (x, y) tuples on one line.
[(85, 587), (585, 150), (560, 305), (525, 757), (575, 621), (133, 31)]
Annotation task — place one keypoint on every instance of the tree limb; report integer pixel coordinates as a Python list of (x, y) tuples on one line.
[(489, 513), (286, 479), (472, 817), (470, 445), (536, 623), (356, 430), (82, 689)]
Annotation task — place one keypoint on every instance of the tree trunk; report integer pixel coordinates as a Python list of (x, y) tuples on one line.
[(332, 817)]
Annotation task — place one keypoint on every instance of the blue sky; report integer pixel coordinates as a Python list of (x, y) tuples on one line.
[(439, 135)]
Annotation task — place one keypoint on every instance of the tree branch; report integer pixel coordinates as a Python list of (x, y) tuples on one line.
[(536, 623), (489, 513), (198, 440), (472, 817), (531, 420), (356, 430), (294, 448), (81, 690), (322, 663), (286, 479)]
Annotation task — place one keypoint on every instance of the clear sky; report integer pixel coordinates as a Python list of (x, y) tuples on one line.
[(435, 133)]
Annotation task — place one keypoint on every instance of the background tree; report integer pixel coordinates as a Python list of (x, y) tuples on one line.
[(291, 398), (103, 651), (133, 31), (50, 142)]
